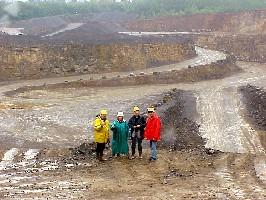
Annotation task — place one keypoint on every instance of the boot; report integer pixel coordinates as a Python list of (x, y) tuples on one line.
[(101, 158), (140, 153), (97, 156)]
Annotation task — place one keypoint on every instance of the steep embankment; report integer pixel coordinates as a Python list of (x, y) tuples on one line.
[(251, 22), (243, 47), (207, 65), (240, 34), (41, 59)]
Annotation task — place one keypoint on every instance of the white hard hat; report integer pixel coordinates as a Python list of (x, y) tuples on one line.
[(120, 114)]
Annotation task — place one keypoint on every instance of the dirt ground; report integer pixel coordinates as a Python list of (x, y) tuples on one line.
[(254, 98), (191, 162), (212, 147)]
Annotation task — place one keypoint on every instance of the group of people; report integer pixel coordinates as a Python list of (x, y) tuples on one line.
[(136, 129)]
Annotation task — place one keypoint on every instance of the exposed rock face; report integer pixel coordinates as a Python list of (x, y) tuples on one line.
[(215, 70), (252, 22), (219, 69), (44, 60), (241, 34), (243, 47)]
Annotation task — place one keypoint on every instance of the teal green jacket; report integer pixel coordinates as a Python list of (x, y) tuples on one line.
[(120, 137)]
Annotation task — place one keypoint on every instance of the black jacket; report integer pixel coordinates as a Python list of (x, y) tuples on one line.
[(137, 120)]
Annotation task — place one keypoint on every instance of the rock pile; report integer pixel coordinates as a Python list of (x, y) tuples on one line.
[(255, 99)]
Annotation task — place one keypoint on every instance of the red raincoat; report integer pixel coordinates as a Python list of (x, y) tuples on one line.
[(153, 128)]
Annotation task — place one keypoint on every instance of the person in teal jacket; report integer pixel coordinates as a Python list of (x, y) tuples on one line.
[(120, 135)]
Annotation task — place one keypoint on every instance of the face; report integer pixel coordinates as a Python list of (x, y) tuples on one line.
[(103, 117), (120, 118), (136, 113), (150, 114)]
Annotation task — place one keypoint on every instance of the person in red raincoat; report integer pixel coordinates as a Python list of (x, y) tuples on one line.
[(153, 132)]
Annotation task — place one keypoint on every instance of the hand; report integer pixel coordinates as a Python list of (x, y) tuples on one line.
[(134, 126), (103, 123), (138, 126)]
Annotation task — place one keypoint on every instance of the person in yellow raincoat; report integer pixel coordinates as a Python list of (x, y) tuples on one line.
[(101, 133)]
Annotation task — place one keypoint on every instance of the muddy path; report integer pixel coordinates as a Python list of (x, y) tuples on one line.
[(62, 117), (204, 56), (38, 125), (176, 175)]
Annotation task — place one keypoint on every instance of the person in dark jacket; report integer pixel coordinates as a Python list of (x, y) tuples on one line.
[(136, 125)]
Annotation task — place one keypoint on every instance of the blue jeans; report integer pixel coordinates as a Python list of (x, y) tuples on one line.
[(153, 149)]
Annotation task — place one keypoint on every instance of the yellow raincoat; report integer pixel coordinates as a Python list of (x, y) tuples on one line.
[(101, 130)]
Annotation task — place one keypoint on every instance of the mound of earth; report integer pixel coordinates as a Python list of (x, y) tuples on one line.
[(40, 26), (180, 130), (91, 31), (255, 100), (99, 23)]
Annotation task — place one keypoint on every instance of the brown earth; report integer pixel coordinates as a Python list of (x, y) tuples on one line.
[(215, 70), (240, 34), (250, 22), (180, 131), (40, 26), (99, 23), (255, 100), (193, 172), (243, 47), (92, 48), (185, 168), (46, 60)]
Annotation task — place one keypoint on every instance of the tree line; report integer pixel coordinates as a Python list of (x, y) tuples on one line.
[(143, 8)]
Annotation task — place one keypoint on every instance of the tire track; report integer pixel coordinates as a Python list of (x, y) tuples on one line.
[(227, 182), (243, 172), (260, 168), (222, 124)]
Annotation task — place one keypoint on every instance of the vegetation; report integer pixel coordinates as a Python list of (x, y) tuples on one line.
[(143, 8)]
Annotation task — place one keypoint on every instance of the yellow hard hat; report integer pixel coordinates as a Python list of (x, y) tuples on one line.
[(150, 109), (103, 112), (136, 108)]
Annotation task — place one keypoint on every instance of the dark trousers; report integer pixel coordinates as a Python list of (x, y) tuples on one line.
[(100, 148), (136, 140)]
